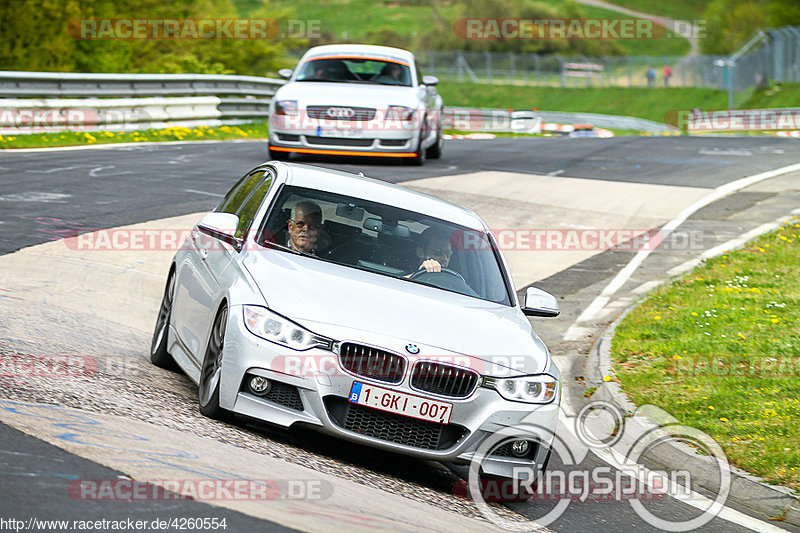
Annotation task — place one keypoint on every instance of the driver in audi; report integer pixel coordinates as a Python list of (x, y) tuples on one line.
[(435, 250)]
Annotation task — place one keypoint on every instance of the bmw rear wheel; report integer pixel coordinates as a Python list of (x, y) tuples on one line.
[(159, 355)]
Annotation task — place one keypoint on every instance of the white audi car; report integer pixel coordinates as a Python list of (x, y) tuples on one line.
[(371, 312), (357, 100)]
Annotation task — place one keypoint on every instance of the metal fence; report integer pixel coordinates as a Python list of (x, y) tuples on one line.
[(573, 71), (770, 55)]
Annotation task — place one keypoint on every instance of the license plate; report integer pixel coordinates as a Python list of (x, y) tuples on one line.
[(341, 133), (400, 403)]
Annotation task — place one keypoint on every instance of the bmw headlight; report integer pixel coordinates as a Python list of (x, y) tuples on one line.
[(541, 388), (271, 326)]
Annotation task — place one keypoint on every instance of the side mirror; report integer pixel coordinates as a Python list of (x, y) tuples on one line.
[(285, 73), (430, 80), (221, 226), (540, 303)]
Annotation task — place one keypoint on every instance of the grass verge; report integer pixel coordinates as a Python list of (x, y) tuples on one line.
[(652, 104), (720, 350), (253, 130)]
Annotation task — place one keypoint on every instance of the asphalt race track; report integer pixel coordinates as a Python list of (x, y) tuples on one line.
[(48, 195)]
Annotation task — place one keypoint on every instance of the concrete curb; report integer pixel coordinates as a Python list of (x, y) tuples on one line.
[(774, 502)]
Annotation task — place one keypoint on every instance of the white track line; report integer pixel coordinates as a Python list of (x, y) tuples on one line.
[(594, 309)]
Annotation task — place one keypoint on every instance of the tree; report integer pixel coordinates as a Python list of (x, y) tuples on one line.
[(730, 23), (45, 35)]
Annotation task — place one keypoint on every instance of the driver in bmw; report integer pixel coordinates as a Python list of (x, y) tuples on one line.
[(305, 229), (435, 250)]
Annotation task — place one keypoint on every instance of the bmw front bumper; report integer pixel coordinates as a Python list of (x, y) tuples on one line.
[(312, 388)]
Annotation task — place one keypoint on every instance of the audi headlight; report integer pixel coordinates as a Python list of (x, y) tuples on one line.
[(399, 112), (286, 107), (271, 326), (529, 389)]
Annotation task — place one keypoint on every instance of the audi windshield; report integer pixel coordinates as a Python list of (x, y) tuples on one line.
[(356, 70)]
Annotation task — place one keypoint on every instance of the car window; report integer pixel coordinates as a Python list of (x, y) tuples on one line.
[(356, 69), (240, 191), (249, 207), (391, 241)]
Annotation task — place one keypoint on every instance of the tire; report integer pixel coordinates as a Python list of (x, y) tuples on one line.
[(278, 155), (159, 355), (435, 150), (419, 159), (210, 373)]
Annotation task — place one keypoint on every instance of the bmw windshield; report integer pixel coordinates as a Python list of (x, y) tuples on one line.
[(386, 240)]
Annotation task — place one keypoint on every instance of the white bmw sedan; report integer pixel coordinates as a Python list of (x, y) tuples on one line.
[(357, 100), (371, 312)]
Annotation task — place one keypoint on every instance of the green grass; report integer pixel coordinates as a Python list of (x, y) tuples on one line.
[(669, 44), (782, 95), (720, 350), (352, 20), (676, 9), (652, 104), (254, 130)]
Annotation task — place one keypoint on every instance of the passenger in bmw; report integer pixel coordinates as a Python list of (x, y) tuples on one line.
[(305, 228)]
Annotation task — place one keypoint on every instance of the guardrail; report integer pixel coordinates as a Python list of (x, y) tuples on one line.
[(497, 120), (157, 100), (604, 121), (66, 84), (491, 120), (49, 101)]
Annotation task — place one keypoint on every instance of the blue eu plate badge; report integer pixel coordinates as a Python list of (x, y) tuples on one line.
[(355, 392)]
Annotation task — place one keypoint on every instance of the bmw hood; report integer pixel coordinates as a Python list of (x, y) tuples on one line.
[(345, 303), (348, 94)]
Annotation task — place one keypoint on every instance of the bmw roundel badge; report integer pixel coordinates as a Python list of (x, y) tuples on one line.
[(413, 349)]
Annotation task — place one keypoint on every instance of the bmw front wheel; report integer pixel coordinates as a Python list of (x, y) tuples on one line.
[(208, 390)]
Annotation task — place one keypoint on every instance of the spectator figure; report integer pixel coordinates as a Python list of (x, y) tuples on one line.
[(651, 76), (667, 75)]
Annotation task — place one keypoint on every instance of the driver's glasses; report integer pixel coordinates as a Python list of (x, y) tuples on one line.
[(440, 252), (302, 224)]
